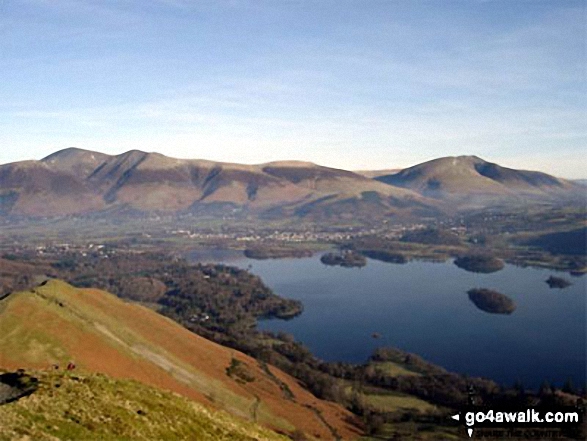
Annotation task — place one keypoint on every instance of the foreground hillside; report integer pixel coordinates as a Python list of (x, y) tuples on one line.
[(81, 405), (56, 323)]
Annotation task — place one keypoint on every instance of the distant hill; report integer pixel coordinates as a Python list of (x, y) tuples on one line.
[(56, 323), (80, 182), (472, 181), (86, 406)]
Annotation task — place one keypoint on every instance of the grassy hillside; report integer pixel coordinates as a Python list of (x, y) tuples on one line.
[(57, 323), (80, 405)]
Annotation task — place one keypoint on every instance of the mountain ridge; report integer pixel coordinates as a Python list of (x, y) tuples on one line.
[(151, 182), (74, 181)]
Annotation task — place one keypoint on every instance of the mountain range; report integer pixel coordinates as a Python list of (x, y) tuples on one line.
[(80, 182)]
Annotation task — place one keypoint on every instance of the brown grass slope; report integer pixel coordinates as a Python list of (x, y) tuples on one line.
[(57, 323)]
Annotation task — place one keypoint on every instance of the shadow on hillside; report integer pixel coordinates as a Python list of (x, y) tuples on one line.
[(16, 385)]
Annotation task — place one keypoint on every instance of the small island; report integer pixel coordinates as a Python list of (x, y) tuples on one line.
[(346, 259), (491, 301), (558, 282), (479, 263)]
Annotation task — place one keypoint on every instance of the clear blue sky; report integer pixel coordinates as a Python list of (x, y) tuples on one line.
[(351, 84)]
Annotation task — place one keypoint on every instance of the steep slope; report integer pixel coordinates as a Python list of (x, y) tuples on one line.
[(81, 405), (56, 323), (469, 179)]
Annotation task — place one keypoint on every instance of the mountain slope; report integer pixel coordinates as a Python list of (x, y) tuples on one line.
[(81, 405), (57, 323), (469, 179)]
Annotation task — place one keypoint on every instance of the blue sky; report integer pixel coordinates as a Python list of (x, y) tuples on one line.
[(350, 84)]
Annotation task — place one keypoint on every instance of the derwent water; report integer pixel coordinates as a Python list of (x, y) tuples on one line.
[(423, 307)]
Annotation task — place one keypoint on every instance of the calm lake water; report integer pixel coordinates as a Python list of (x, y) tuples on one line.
[(423, 307)]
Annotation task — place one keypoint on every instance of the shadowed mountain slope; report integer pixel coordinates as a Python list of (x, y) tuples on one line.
[(56, 323)]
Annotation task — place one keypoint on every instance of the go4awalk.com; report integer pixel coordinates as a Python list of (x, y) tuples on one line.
[(528, 423)]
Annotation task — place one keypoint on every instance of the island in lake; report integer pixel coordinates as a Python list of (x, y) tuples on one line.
[(346, 259), (558, 282), (491, 301), (479, 263)]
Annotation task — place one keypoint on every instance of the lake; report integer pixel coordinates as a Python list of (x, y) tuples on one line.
[(423, 307)]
